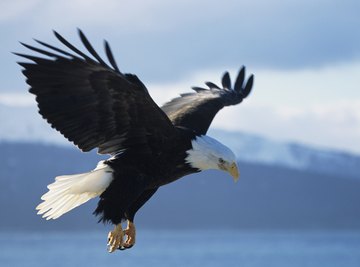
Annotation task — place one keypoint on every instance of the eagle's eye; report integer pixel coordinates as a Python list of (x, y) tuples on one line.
[(221, 161)]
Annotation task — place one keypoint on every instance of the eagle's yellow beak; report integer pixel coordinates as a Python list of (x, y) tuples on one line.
[(234, 171)]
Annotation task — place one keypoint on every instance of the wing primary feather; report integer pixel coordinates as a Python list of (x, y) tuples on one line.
[(89, 47), (240, 80), (41, 51), (110, 56), (198, 89), (212, 85), (54, 48), (71, 47), (33, 58), (226, 82), (249, 84)]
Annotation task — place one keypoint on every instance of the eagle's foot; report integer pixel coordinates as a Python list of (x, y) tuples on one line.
[(130, 233), (115, 238)]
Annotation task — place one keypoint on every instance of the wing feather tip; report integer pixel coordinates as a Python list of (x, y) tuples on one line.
[(249, 85), (226, 81)]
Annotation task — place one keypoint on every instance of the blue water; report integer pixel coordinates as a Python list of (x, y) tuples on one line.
[(183, 248)]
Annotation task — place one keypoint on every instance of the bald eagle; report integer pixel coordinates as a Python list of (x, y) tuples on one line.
[(95, 105)]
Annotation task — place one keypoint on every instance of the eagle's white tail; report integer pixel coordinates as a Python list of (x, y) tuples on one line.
[(70, 191)]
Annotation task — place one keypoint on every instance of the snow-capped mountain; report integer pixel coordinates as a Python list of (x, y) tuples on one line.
[(253, 148), (25, 124)]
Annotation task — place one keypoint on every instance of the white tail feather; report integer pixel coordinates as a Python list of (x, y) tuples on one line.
[(70, 191)]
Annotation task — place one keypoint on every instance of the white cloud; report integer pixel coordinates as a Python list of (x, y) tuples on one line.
[(17, 99), (336, 127)]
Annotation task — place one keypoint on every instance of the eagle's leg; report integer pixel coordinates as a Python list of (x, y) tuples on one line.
[(115, 238), (130, 233)]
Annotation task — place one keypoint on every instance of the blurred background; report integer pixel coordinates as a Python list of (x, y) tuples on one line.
[(297, 136)]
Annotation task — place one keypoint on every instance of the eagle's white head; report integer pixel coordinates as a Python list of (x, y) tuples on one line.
[(208, 153)]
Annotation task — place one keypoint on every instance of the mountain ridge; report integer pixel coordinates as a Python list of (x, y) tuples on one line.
[(265, 197), (253, 148), (30, 127)]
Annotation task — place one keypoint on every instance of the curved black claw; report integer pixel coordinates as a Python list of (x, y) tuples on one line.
[(125, 247)]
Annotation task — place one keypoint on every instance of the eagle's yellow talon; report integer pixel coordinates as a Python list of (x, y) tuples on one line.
[(130, 233), (115, 238)]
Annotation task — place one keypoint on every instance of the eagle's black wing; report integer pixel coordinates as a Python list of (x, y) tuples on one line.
[(197, 110), (92, 104)]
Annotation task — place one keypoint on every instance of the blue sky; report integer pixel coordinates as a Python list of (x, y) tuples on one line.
[(305, 56)]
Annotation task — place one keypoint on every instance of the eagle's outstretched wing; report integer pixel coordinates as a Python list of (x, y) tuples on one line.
[(93, 104), (197, 110)]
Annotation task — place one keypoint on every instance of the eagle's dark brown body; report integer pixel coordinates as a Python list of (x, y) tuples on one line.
[(135, 179)]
